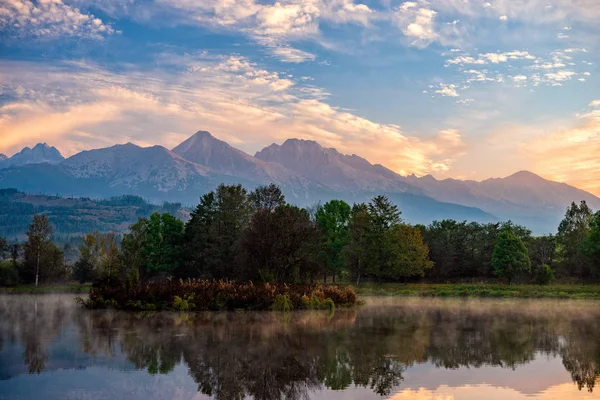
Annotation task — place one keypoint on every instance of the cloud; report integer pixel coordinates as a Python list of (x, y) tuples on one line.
[(291, 55), (520, 67), (416, 23), (74, 104), (448, 90), (571, 155), (491, 58), (275, 25), (49, 19)]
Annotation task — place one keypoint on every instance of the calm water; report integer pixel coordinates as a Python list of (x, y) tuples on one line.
[(390, 348)]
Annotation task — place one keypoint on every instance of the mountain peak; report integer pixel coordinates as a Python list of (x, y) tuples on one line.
[(332, 168), (40, 153), (3, 157), (524, 175)]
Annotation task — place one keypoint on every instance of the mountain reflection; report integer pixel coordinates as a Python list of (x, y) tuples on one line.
[(288, 356)]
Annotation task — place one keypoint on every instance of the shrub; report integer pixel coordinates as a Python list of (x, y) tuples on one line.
[(8, 274), (282, 303), (217, 295), (544, 275), (184, 303)]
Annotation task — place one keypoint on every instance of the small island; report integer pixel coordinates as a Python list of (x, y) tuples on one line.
[(250, 250)]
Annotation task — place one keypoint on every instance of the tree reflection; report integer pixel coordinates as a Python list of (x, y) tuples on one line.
[(278, 356)]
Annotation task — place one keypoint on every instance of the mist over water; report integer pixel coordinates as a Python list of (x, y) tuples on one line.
[(399, 348)]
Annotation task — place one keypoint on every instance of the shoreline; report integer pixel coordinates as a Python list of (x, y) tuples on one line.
[(481, 290)]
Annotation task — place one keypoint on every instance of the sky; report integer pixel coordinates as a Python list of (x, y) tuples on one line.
[(468, 89)]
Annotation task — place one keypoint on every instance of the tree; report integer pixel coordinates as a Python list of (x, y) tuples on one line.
[(15, 253), (213, 230), (39, 235), (132, 247), (162, 249), (3, 247), (572, 232), (357, 247), (542, 250), (591, 245), (86, 267), (510, 258), (266, 197), (277, 245), (109, 255), (409, 253), (332, 220), (198, 254), (383, 217)]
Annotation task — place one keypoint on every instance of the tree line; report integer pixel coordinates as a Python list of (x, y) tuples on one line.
[(236, 234)]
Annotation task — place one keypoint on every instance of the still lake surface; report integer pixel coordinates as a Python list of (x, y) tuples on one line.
[(394, 348)]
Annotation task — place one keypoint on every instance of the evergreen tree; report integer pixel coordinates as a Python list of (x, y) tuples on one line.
[(383, 217)]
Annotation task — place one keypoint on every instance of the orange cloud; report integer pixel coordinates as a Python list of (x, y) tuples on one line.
[(571, 155), (239, 102), (566, 391)]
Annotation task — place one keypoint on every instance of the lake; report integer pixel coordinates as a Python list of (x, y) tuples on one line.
[(394, 348)]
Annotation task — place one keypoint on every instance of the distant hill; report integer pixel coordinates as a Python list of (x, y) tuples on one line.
[(524, 197), (72, 217)]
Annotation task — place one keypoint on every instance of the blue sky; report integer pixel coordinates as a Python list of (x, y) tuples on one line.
[(456, 88)]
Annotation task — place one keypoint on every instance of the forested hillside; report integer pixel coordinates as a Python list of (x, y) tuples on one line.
[(75, 216)]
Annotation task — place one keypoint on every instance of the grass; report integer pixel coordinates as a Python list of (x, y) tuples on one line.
[(71, 287), (557, 291)]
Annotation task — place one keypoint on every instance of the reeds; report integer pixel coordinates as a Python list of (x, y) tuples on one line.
[(203, 295)]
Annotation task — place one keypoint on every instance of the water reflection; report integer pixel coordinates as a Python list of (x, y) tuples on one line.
[(379, 349)]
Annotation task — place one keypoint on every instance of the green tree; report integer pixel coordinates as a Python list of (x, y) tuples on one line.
[(332, 220), (162, 249), (383, 217), (15, 253), (110, 255), (3, 247), (542, 252), (510, 258), (571, 235), (591, 245), (357, 248), (199, 242), (132, 247), (214, 228), (84, 269), (37, 247)]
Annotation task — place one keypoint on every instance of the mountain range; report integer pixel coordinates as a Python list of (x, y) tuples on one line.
[(306, 171)]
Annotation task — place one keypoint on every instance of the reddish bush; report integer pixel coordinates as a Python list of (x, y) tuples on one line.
[(213, 295)]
